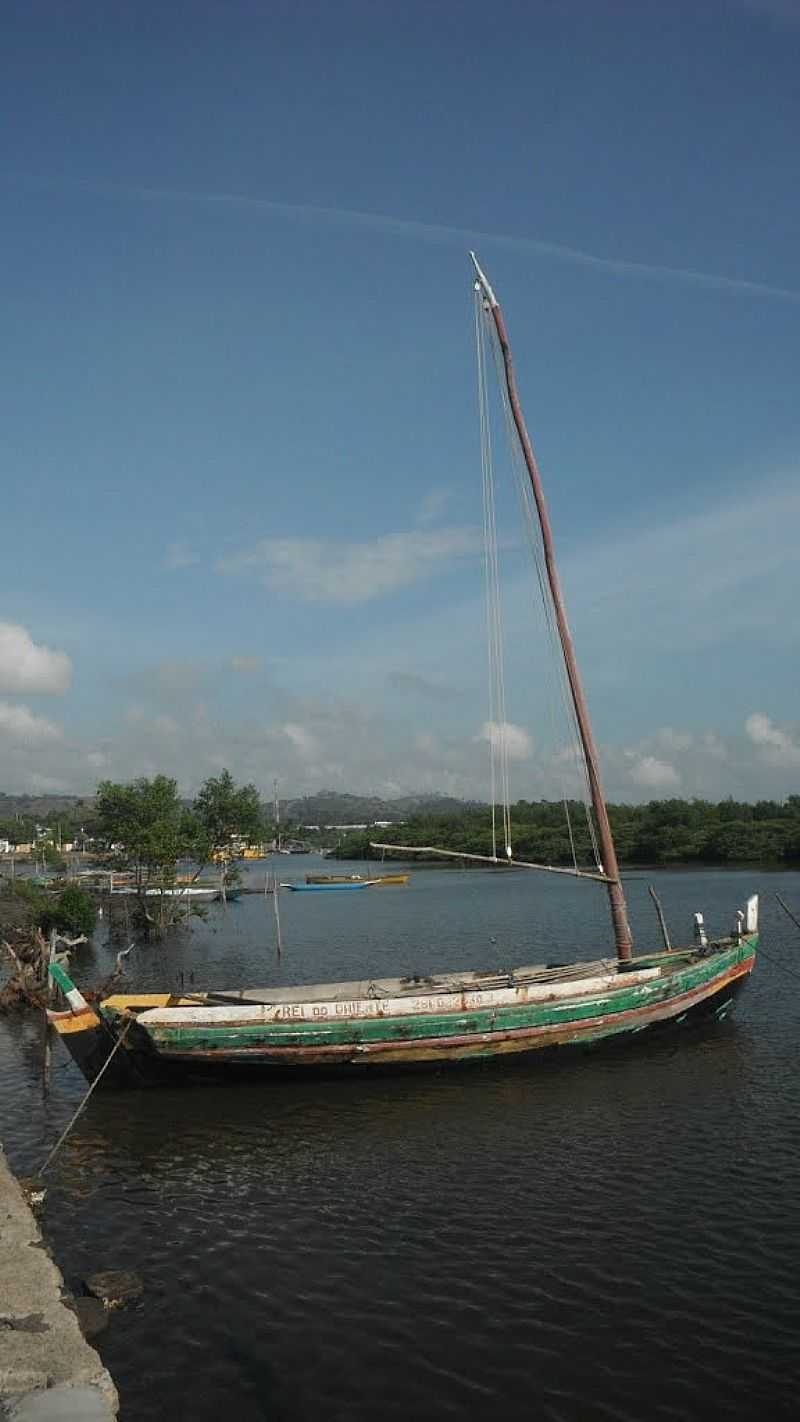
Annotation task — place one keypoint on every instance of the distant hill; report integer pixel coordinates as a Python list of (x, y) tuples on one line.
[(327, 807), (40, 806), (331, 807)]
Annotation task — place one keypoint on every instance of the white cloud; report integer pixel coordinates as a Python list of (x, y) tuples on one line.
[(26, 667), (517, 742), (778, 747), (179, 555), (18, 724), (246, 666), (311, 742), (322, 570), (654, 774)]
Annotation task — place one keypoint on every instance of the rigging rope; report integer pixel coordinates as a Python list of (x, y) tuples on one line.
[(556, 667), (498, 726)]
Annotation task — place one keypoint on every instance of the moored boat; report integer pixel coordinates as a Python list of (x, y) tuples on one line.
[(143, 1038), (357, 879), (405, 1021), (309, 888), (187, 892)]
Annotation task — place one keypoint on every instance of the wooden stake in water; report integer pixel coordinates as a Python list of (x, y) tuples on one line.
[(47, 1049), (661, 918), (278, 943)]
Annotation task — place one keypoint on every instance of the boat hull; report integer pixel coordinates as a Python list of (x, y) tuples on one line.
[(329, 879), (91, 1041), (155, 1052), (326, 888)]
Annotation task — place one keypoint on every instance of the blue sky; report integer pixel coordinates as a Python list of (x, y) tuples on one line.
[(240, 458)]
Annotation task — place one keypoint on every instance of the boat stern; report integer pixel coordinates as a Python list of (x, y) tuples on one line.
[(87, 1037)]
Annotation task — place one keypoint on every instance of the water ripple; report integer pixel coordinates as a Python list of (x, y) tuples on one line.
[(608, 1239)]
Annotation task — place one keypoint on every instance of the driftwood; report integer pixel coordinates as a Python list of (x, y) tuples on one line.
[(27, 986), (19, 993), (31, 954)]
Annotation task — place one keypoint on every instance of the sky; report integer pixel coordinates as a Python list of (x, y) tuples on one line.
[(240, 459)]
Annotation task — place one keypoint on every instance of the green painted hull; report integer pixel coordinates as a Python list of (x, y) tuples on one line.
[(699, 986)]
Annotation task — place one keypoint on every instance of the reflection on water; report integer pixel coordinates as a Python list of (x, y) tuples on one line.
[(610, 1237)]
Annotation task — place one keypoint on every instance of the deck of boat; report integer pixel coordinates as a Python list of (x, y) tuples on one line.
[(441, 983)]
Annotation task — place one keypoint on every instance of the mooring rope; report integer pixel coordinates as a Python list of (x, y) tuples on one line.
[(106, 1064), (786, 909)]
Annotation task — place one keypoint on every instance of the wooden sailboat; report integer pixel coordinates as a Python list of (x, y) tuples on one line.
[(139, 1039)]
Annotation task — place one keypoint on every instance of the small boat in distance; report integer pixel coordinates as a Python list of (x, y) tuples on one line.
[(335, 884), (144, 1038), (357, 879), (188, 892)]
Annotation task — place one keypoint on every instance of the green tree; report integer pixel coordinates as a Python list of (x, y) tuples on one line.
[(224, 813), (146, 830), (52, 857), (73, 912), (661, 832), (18, 829), (144, 823)]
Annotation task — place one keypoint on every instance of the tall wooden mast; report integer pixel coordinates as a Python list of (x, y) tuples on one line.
[(616, 897)]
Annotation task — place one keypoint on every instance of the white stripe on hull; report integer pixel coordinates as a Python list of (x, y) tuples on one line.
[(424, 1004)]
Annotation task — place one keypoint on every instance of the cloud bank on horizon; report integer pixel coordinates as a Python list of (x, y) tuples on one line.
[(394, 714)]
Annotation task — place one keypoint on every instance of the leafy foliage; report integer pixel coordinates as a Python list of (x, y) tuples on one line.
[(223, 812), (146, 829), (73, 912), (143, 824), (661, 832), (30, 898)]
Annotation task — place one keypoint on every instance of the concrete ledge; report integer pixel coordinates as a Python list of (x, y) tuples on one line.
[(45, 1362)]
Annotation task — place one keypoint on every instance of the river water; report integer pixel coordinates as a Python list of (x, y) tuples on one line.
[(616, 1236)]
